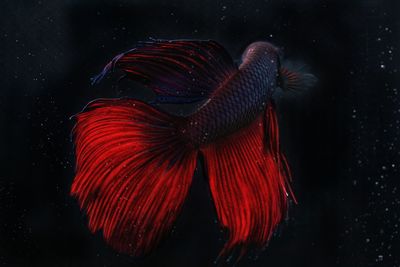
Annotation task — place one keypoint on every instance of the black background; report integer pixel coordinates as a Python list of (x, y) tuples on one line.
[(341, 138)]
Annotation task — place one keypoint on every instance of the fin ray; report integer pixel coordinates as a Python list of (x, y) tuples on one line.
[(294, 77), (177, 68), (248, 183), (132, 173)]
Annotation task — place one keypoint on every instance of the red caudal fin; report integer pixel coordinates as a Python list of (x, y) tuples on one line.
[(248, 179), (132, 172)]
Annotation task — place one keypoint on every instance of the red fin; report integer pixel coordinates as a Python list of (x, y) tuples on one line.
[(249, 183), (179, 68), (133, 172)]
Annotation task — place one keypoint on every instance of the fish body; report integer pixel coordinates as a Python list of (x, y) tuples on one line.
[(239, 99)]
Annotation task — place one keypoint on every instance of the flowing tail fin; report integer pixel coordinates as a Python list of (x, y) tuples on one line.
[(133, 172), (249, 182)]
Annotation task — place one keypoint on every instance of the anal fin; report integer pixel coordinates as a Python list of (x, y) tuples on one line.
[(248, 178)]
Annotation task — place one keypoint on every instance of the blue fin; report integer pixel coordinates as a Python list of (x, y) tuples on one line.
[(178, 71)]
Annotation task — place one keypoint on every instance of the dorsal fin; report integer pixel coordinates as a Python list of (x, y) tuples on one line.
[(180, 70)]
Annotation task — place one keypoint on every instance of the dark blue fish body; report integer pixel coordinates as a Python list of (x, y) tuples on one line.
[(238, 100)]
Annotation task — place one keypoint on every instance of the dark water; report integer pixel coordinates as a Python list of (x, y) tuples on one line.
[(342, 138)]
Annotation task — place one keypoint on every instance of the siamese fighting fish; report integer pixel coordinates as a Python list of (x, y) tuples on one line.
[(135, 161)]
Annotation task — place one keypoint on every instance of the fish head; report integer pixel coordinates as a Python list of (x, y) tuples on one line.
[(261, 49), (264, 52)]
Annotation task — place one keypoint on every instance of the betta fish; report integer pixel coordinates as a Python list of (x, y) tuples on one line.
[(135, 161)]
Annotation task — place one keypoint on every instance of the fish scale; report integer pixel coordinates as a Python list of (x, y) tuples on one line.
[(237, 102)]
